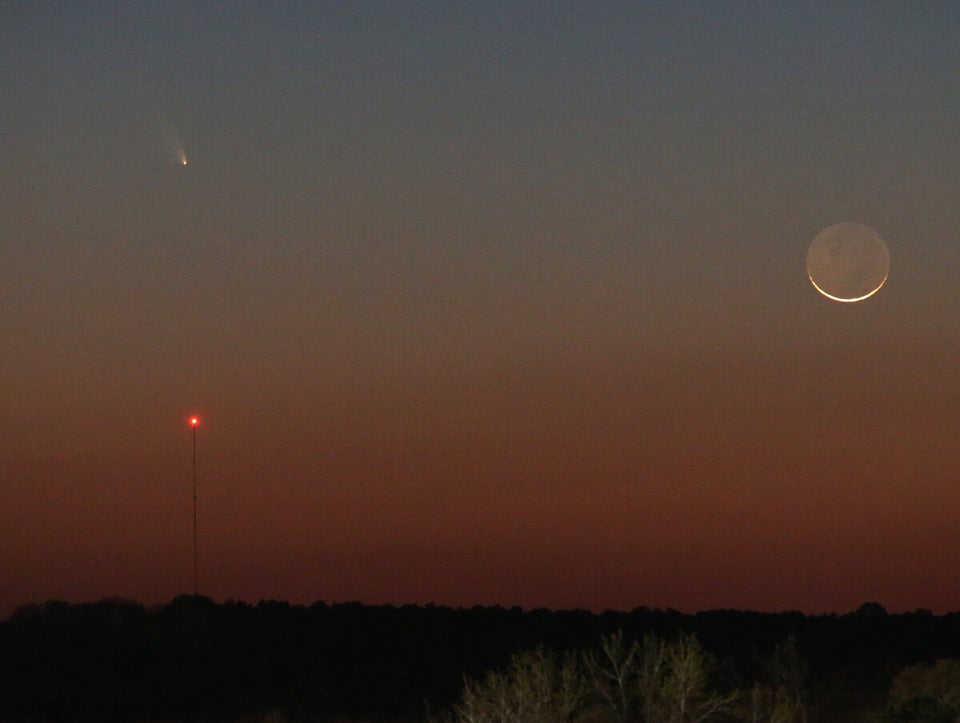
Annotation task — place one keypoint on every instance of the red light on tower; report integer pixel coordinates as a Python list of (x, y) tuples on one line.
[(194, 421)]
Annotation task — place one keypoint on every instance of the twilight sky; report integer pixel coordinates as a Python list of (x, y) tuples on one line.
[(480, 303)]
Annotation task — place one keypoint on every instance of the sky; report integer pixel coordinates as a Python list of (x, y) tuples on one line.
[(478, 303)]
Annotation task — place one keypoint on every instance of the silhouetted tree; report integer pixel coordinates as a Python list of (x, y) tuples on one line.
[(675, 681), (195, 659), (927, 692), (613, 672), (769, 704), (538, 686), (781, 698)]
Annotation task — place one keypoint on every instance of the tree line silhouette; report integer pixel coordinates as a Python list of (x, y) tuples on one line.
[(195, 659)]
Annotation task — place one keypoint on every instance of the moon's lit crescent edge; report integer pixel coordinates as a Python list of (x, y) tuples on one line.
[(847, 301)]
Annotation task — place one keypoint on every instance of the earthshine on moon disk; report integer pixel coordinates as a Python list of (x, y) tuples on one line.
[(848, 262)]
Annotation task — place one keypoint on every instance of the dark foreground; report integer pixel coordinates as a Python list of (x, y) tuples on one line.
[(197, 660)]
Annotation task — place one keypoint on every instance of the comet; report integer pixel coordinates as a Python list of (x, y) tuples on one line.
[(173, 143)]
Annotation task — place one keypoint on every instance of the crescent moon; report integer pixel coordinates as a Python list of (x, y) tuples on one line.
[(848, 262), (841, 299)]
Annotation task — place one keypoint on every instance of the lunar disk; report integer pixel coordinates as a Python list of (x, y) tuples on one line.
[(848, 262)]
